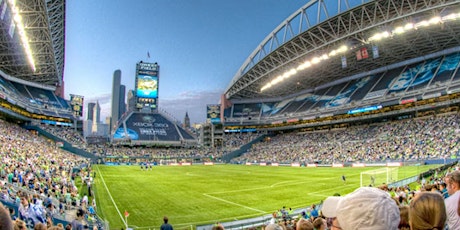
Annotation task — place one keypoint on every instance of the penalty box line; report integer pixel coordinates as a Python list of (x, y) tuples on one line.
[(233, 203)]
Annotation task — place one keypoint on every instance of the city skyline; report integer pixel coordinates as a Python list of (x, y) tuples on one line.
[(199, 45)]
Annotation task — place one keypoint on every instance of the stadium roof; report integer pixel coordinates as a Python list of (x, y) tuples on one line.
[(300, 54), (32, 40)]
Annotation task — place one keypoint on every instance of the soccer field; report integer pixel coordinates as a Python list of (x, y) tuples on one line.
[(196, 195)]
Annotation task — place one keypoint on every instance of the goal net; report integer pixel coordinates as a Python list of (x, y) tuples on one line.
[(378, 177)]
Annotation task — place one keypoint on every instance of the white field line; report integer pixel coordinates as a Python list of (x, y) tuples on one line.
[(111, 198), (229, 202)]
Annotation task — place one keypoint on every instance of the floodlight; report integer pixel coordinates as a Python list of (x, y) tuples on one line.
[(409, 26), (398, 30), (22, 34), (422, 23), (435, 20)]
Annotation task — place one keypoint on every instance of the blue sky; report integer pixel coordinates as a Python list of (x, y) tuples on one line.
[(199, 45)]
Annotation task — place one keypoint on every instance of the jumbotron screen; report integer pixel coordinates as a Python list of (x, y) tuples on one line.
[(147, 86)]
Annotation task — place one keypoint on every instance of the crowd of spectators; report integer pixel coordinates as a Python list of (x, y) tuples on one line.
[(69, 134), (233, 141), (40, 178), (410, 139)]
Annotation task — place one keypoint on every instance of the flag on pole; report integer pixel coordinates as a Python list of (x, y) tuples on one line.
[(126, 213), (148, 54)]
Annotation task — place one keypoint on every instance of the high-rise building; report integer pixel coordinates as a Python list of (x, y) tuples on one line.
[(97, 113), (115, 99), (131, 100), (96, 117), (122, 102), (90, 110)]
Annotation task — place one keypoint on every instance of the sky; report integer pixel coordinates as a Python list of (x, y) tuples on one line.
[(199, 45)]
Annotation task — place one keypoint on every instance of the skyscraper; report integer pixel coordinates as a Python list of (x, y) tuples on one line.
[(131, 100), (115, 99), (96, 117), (122, 102), (90, 110)]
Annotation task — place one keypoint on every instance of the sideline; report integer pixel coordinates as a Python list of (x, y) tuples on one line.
[(111, 198)]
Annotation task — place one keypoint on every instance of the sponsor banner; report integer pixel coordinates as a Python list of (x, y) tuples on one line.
[(357, 165), (337, 165), (277, 122), (275, 164), (432, 95), (186, 164), (2, 96), (263, 164), (312, 165), (292, 120), (11, 101), (409, 100), (295, 165), (248, 163), (309, 118), (208, 163), (394, 164), (375, 94), (326, 115), (174, 164), (456, 90)]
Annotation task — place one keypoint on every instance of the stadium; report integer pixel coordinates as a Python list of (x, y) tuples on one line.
[(341, 95)]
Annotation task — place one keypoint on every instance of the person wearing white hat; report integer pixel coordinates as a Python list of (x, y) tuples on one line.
[(366, 208)]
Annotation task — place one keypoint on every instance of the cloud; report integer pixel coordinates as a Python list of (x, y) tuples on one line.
[(193, 102)]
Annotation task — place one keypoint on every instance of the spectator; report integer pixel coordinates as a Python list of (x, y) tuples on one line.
[(304, 224), (365, 208), (427, 211), (166, 225), (5, 219), (319, 224), (272, 227), (453, 189), (404, 218), (20, 225), (77, 222)]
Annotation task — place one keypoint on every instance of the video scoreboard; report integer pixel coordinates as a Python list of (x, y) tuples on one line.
[(146, 85)]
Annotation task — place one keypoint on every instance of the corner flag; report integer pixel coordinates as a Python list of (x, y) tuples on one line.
[(126, 213)]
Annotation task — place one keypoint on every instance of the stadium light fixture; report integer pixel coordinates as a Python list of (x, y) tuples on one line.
[(398, 30), (304, 65), (22, 33), (410, 26)]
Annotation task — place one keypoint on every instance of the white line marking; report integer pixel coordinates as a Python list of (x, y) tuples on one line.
[(229, 202), (110, 195)]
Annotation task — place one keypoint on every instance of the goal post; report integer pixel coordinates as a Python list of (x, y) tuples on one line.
[(377, 177)]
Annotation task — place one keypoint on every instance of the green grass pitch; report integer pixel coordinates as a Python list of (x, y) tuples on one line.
[(199, 194)]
